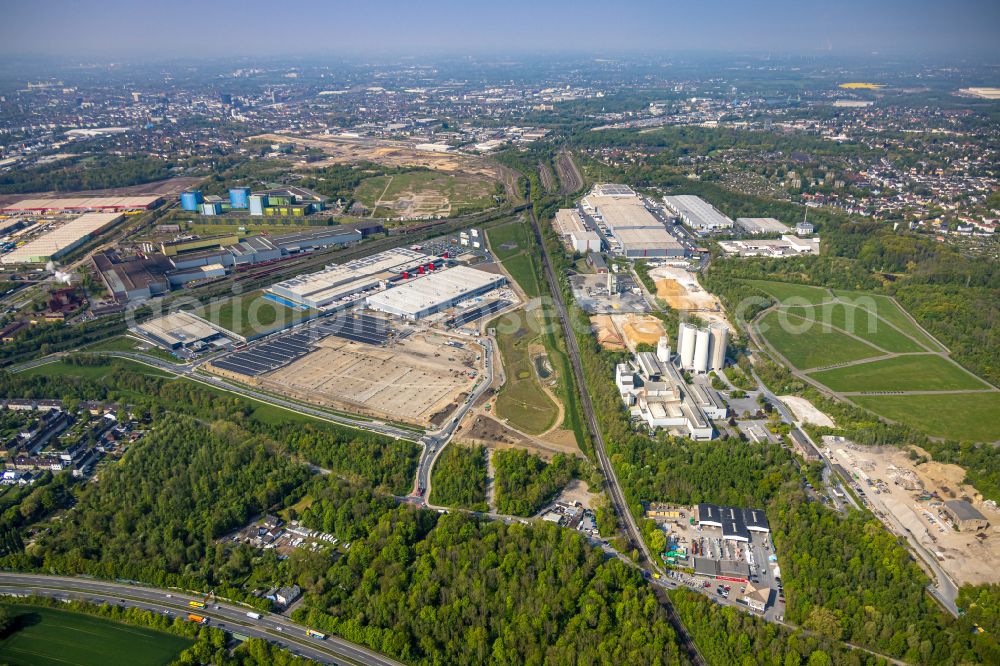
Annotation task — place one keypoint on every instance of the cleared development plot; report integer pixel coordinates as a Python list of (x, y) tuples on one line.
[(910, 498), (422, 194), (419, 380), (607, 333), (918, 372), (809, 345), (50, 637), (681, 290), (806, 412), (971, 416)]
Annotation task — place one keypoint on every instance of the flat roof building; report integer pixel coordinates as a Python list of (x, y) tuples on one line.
[(761, 225), (736, 523), (179, 330), (697, 213), (434, 292), (638, 232), (965, 516), (61, 240), (84, 204)]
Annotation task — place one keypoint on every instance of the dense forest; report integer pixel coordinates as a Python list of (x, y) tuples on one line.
[(459, 478), (471, 592), (380, 460), (525, 483), (727, 636), (159, 514)]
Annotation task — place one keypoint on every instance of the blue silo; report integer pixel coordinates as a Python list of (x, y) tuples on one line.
[(239, 197), (191, 200)]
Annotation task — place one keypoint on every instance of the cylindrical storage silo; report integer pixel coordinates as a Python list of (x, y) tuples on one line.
[(191, 200), (703, 339), (239, 197), (720, 338), (687, 342)]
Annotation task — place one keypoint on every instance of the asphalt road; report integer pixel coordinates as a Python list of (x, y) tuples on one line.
[(230, 617)]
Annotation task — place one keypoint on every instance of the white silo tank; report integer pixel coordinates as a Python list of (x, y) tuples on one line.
[(720, 338), (703, 340), (663, 350), (686, 344)]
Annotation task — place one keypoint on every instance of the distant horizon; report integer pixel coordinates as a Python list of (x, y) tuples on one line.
[(115, 29)]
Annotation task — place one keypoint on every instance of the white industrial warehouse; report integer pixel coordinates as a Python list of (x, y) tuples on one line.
[(637, 231), (435, 291), (57, 242), (697, 213), (762, 225), (338, 284)]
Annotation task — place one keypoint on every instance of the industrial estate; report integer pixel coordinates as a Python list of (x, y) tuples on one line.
[(500, 361)]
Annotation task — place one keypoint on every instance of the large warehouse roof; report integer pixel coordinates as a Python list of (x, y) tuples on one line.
[(433, 290), (60, 240), (697, 212), (762, 225), (82, 203)]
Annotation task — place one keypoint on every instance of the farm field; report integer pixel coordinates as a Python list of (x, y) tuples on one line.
[(59, 638), (918, 372), (251, 314), (810, 345), (420, 194), (965, 416)]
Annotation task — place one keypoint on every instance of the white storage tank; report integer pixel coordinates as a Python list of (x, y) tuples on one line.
[(685, 343), (720, 338), (703, 340)]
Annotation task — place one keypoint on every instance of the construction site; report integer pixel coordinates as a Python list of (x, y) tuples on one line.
[(420, 378), (680, 289), (914, 499), (618, 332)]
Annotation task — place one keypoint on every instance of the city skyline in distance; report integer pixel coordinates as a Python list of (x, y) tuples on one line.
[(118, 29)]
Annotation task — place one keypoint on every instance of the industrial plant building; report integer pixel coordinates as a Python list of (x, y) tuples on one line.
[(636, 231), (761, 225), (180, 330), (702, 349), (434, 292), (83, 205), (654, 391), (61, 240), (281, 202), (697, 213), (338, 285), (736, 523), (787, 246)]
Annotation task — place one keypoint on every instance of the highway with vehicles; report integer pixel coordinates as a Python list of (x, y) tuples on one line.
[(618, 500), (225, 615)]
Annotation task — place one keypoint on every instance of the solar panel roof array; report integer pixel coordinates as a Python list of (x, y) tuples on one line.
[(286, 348)]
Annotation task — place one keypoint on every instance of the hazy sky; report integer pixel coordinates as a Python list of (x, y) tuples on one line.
[(303, 27)]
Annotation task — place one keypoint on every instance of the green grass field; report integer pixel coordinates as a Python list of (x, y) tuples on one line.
[(809, 344), (794, 294), (512, 246), (966, 416), (250, 314), (887, 309), (509, 239), (63, 369), (861, 322), (50, 637), (430, 193), (522, 401), (125, 343), (925, 372)]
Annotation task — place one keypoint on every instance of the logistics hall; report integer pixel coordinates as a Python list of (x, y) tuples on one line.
[(436, 291)]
